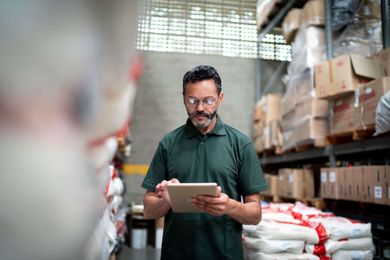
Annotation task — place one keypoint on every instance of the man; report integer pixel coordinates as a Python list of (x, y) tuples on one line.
[(205, 150)]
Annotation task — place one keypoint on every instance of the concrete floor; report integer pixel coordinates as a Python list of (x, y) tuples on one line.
[(148, 253)]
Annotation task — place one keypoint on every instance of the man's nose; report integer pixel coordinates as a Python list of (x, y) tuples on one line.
[(200, 105)]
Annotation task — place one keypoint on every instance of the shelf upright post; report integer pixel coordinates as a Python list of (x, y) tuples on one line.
[(385, 8), (328, 28), (281, 14)]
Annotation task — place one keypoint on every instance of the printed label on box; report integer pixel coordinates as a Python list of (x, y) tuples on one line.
[(378, 192), (323, 177), (290, 178), (332, 177)]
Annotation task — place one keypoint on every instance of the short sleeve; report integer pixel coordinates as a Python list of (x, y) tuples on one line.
[(157, 169), (251, 178)]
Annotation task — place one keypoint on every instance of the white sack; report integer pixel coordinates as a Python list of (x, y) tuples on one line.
[(274, 246)]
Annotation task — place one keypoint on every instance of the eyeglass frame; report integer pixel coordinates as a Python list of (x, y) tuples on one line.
[(204, 101)]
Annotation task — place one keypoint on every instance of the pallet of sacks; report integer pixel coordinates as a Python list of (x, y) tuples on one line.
[(296, 231)]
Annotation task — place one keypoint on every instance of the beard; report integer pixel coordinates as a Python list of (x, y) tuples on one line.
[(209, 118)]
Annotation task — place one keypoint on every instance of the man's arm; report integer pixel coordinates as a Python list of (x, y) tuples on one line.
[(248, 212), (157, 204)]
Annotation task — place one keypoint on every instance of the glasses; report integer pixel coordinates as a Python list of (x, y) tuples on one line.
[(208, 101)]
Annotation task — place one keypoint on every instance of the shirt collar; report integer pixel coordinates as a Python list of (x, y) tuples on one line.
[(219, 128)]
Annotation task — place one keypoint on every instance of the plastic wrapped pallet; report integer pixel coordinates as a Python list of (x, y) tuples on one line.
[(291, 24), (362, 37), (308, 49), (268, 133), (382, 119), (263, 9), (313, 13)]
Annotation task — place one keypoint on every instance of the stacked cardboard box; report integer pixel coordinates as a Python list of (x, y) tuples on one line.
[(267, 133), (343, 74), (263, 10), (296, 183), (291, 24), (273, 184), (301, 122), (355, 85), (359, 183)]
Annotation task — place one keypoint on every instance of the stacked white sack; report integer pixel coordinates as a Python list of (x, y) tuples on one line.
[(348, 239), (286, 227), (279, 235)]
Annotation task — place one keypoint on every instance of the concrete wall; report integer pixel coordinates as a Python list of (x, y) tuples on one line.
[(159, 108)]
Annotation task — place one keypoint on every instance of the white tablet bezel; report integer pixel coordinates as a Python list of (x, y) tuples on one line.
[(182, 193)]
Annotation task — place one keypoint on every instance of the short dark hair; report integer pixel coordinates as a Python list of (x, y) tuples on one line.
[(202, 72)]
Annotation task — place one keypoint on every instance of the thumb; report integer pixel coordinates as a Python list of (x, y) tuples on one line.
[(218, 191), (174, 180)]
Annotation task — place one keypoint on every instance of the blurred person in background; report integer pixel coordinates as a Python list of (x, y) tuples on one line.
[(66, 89)]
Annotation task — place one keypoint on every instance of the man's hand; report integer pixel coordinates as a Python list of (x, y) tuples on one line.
[(216, 206), (162, 190)]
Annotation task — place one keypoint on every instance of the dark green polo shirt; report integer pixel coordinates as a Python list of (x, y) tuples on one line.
[(225, 156)]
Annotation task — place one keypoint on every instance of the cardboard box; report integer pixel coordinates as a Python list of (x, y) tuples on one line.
[(263, 9), (288, 120), (387, 184), (370, 10), (334, 180), (291, 24), (355, 182), (342, 183), (375, 184), (313, 13), (342, 74), (273, 184), (283, 181), (268, 108), (324, 182), (309, 130), (273, 108), (312, 107), (300, 183), (383, 57), (359, 184), (367, 98), (343, 115)]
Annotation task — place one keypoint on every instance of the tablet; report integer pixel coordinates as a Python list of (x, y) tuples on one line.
[(182, 193)]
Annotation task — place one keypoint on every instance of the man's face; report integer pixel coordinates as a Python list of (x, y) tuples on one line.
[(201, 100)]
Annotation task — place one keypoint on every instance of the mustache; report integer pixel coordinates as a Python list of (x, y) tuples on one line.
[(202, 113)]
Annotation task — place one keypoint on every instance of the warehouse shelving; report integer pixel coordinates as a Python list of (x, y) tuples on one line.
[(373, 145), (368, 151)]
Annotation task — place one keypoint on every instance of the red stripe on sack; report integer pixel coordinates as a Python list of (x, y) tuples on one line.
[(321, 231), (319, 250)]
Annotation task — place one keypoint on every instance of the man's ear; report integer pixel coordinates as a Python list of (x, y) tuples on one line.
[(221, 95)]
